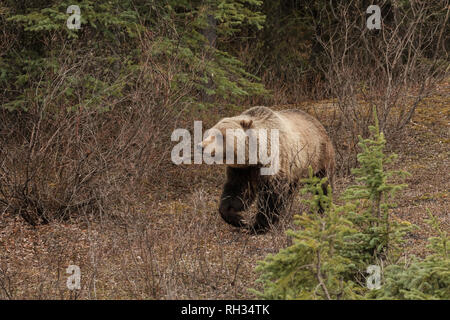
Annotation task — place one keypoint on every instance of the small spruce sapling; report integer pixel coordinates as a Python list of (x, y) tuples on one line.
[(380, 236), (333, 245), (426, 279), (312, 268)]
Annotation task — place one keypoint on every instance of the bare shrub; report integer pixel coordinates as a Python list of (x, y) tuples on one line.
[(59, 163), (393, 68)]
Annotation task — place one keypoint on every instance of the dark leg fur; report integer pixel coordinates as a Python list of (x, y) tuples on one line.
[(238, 194), (271, 202)]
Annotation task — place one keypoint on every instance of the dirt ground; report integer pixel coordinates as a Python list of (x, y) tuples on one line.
[(172, 244)]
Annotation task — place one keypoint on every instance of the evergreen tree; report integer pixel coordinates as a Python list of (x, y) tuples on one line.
[(95, 65), (380, 236), (314, 266), (426, 279), (331, 250)]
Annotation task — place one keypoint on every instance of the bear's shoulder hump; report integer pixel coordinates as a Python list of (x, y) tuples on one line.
[(259, 111)]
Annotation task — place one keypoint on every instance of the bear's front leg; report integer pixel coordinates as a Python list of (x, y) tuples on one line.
[(237, 195), (270, 205), (273, 198)]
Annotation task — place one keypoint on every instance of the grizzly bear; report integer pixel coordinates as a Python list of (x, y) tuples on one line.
[(302, 142)]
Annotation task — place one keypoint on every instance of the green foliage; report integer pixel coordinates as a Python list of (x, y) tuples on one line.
[(57, 68), (420, 279), (284, 45), (49, 64), (332, 249), (372, 198), (314, 266), (212, 69)]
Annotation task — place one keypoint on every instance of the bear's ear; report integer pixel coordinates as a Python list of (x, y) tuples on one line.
[(246, 124)]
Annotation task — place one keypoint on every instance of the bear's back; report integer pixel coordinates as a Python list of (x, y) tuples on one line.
[(306, 141)]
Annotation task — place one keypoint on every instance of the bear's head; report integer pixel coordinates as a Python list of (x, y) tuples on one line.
[(228, 140), (241, 142)]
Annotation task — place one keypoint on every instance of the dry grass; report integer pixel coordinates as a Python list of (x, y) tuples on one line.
[(167, 241)]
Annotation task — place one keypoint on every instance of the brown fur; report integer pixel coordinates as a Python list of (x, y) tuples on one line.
[(303, 142)]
